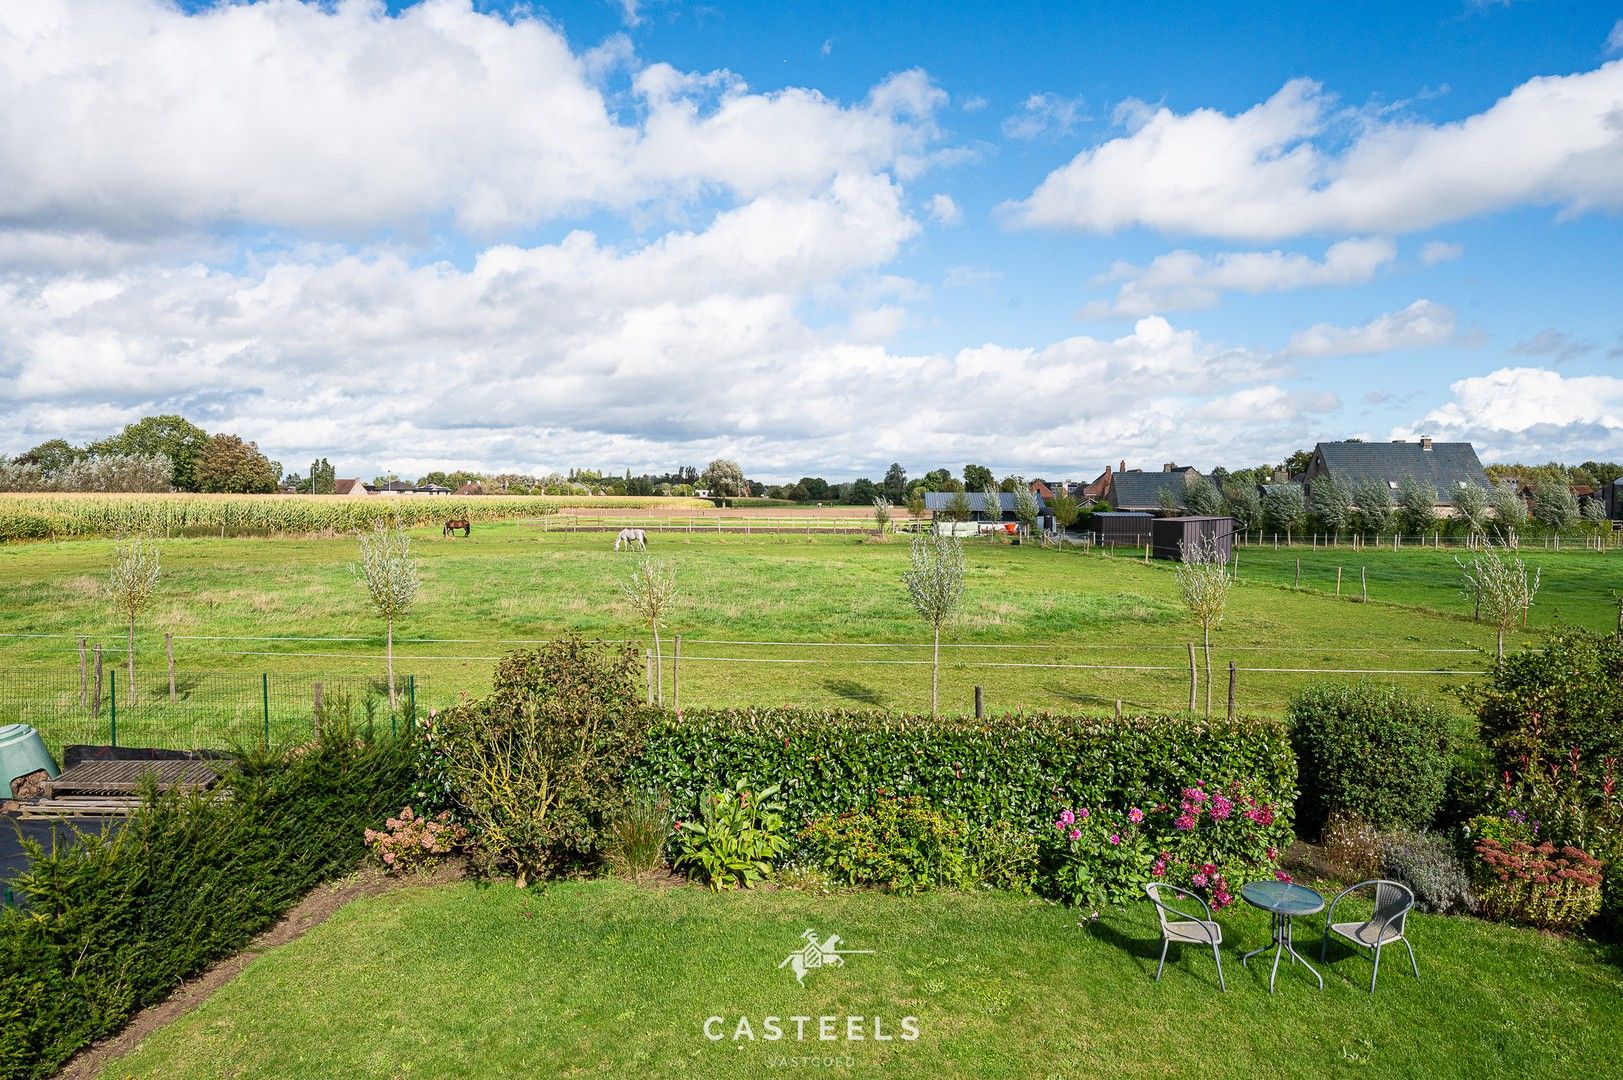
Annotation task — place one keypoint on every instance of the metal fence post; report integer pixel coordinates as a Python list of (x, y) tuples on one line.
[(112, 703), (264, 692), (1233, 678), (411, 698)]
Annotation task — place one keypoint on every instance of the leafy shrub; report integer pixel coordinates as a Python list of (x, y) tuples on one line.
[(904, 845), (1539, 706), (734, 842), (1546, 886), (407, 842), (1015, 769), (536, 768), (1370, 750), (1427, 864), (1098, 856), (637, 835), (115, 923), (1004, 856)]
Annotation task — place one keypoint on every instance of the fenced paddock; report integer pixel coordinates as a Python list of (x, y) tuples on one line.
[(281, 704)]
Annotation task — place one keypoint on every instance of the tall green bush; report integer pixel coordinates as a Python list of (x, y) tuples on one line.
[(534, 770), (1370, 751), (112, 924), (1015, 769), (1538, 706)]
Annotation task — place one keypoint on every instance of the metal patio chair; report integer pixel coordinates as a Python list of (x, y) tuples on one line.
[(1393, 902), (1183, 928)]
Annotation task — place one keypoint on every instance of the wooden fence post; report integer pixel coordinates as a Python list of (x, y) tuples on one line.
[(1338, 581), (676, 676), (1118, 708), (1234, 674), (1363, 577), (980, 704), (84, 690), (1194, 677), (1298, 573), (95, 698), (169, 651)]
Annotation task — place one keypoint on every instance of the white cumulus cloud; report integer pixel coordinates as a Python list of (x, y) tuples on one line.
[(1295, 164), (1045, 115), (1531, 414), (1422, 324), (1184, 280)]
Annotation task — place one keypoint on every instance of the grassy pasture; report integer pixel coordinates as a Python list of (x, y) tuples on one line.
[(1041, 628), (606, 979)]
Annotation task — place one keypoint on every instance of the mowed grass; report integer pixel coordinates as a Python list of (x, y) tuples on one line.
[(1040, 628), (607, 979), (1577, 588)]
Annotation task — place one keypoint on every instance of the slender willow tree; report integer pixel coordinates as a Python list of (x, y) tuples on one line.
[(935, 584), (1497, 582), (131, 586), (1204, 583), (390, 576), (651, 590)]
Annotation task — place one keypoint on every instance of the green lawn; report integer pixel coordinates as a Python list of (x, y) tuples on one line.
[(603, 978), (1577, 587), (1041, 628)]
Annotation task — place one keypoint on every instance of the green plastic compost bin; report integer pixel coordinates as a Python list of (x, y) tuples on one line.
[(22, 751)]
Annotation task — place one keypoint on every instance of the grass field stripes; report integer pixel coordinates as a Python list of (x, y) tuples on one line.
[(216, 711)]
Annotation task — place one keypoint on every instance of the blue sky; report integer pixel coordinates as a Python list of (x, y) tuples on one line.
[(814, 237)]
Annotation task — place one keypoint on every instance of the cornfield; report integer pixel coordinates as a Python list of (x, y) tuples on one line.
[(62, 517)]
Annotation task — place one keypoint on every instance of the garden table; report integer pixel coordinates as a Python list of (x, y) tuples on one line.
[(1284, 901)]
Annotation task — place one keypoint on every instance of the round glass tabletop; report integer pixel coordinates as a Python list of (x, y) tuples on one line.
[(1282, 897)]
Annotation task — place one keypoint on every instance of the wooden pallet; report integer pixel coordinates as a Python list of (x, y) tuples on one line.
[(102, 778), (88, 806)]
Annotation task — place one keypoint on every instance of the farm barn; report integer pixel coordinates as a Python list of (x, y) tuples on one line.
[(1172, 536)]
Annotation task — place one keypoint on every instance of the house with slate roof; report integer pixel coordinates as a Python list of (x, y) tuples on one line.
[(936, 503), (1135, 489), (1445, 467)]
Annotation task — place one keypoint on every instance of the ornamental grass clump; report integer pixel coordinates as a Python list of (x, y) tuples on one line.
[(408, 842)]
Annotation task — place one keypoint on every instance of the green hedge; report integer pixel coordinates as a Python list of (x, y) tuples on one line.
[(1021, 769), (114, 924)]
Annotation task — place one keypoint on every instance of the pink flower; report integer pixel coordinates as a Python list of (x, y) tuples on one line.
[(1076, 834), (1198, 880), (1185, 822), (388, 857), (1135, 815), (1083, 813), (1280, 875), (1067, 818), (1115, 838), (1221, 807)]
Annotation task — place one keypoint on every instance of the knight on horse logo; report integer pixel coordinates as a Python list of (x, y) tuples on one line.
[(818, 954)]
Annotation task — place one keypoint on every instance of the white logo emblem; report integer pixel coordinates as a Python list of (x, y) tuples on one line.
[(817, 954)]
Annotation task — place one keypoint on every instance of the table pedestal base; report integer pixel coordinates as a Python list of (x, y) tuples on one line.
[(1281, 944)]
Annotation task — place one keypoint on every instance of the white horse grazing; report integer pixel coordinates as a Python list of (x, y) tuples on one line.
[(631, 538)]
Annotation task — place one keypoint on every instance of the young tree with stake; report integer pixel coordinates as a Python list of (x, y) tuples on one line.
[(131, 586), (882, 513), (1204, 583), (390, 576), (1497, 582), (935, 584), (651, 590)]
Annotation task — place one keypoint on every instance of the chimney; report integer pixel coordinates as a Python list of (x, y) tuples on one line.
[(1168, 467), (1107, 470), (1425, 442), (1123, 464)]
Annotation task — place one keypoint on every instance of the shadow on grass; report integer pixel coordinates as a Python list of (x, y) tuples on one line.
[(853, 691)]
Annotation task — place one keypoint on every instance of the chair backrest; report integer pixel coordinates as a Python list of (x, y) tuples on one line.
[(1392, 903), (1163, 909)]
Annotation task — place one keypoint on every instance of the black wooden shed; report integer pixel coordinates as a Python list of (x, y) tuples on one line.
[(1122, 528), (1172, 536)]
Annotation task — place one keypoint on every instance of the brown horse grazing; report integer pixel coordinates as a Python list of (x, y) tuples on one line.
[(457, 523)]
